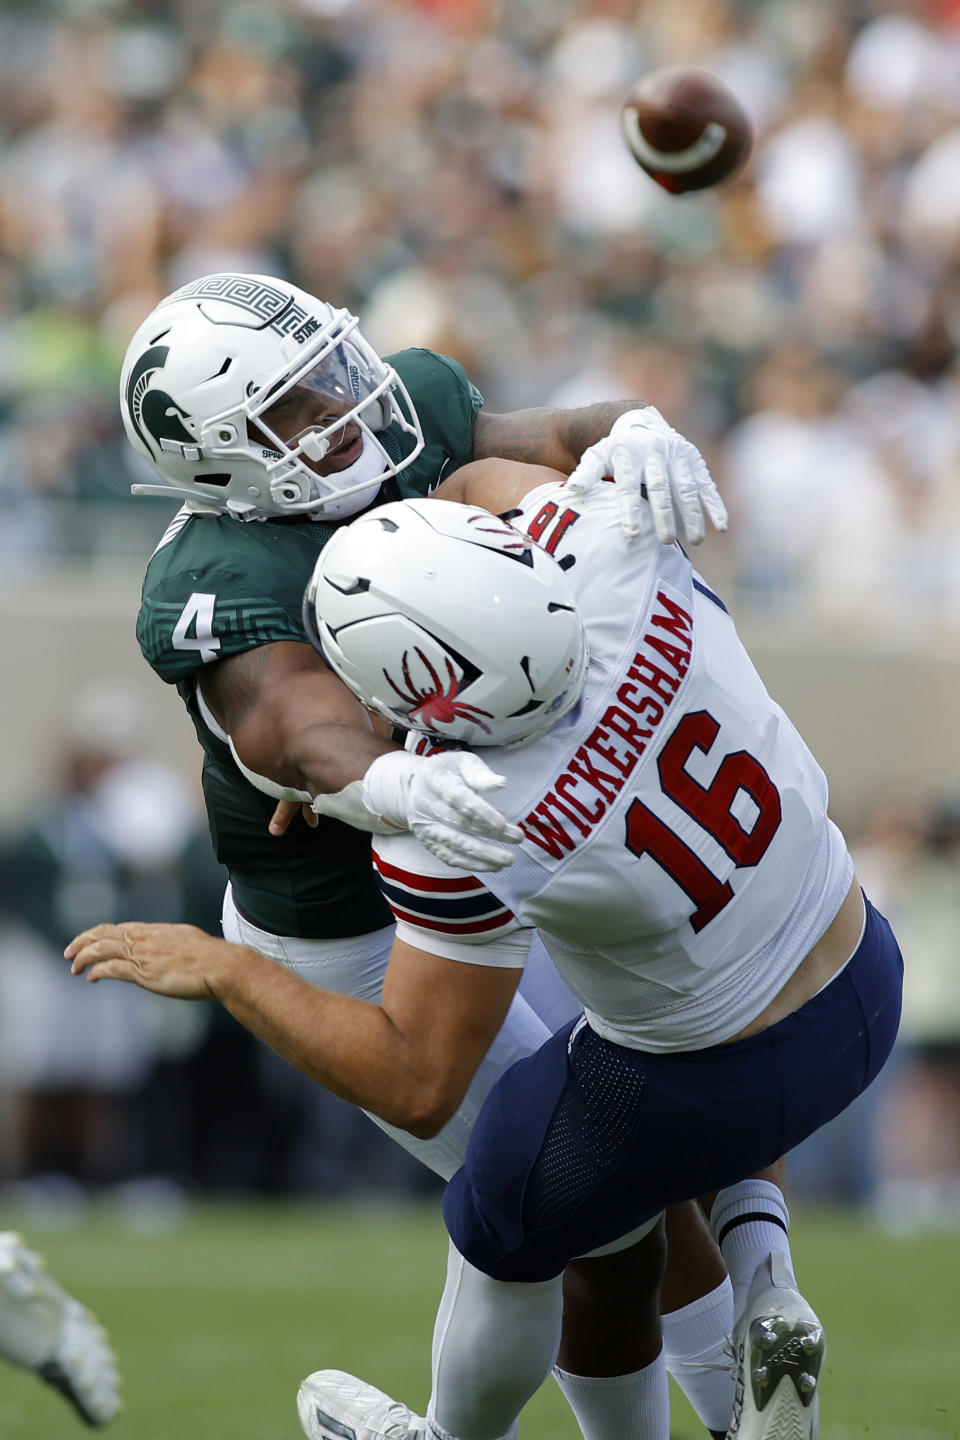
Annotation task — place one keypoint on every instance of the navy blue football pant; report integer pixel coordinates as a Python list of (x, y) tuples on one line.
[(584, 1140)]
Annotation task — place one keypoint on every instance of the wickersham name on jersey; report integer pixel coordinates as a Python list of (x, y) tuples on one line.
[(597, 773)]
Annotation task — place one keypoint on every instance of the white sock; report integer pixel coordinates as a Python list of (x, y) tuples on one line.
[(620, 1407), (749, 1221), (494, 1344), (697, 1347)]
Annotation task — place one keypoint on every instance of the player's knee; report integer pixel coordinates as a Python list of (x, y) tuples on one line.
[(620, 1281)]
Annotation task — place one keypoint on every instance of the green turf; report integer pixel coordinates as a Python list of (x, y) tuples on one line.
[(216, 1322)]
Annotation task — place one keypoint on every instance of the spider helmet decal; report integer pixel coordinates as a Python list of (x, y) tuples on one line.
[(448, 620), (438, 706)]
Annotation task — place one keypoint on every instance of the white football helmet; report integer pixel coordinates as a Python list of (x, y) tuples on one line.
[(448, 620), (241, 389)]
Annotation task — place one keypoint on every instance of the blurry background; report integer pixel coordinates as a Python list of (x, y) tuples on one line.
[(453, 171)]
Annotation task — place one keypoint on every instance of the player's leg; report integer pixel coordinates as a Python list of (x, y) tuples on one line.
[(585, 1138), (44, 1329), (696, 1298), (696, 1305), (560, 1128), (496, 1339), (779, 1344), (611, 1363), (494, 1344), (356, 966), (541, 1179), (607, 1364), (611, 1366), (750, 1221), (601, 1395)]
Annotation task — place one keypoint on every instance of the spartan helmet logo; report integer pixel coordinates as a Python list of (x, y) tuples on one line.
[(151, 409)]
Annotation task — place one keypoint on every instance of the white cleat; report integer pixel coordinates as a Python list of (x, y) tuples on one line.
[(333, 1405), (44, 1329), (779, 1349)]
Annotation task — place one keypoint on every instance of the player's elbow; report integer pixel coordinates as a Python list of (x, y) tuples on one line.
[(425, 1127), (425, 1120), (428, 1106)]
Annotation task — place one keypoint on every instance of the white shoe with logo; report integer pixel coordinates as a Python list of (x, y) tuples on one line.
[(779, 1349), (44, 1329), (333, 1405)]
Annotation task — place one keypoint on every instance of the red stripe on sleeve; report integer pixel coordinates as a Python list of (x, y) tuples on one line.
[(426, 882), (472, 927)]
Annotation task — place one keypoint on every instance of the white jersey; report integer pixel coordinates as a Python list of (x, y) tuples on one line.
[(678, 859)]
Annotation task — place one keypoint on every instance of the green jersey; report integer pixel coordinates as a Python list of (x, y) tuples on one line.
[(216, 586)]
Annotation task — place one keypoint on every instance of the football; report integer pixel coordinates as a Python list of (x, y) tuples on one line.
[(686, 128)]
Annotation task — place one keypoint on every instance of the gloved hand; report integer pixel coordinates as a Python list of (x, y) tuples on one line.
[(440, 799), (642, 449)]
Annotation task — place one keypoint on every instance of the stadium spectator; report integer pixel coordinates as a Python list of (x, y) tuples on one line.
[(921, 1142), (108, 834), (456, 174)]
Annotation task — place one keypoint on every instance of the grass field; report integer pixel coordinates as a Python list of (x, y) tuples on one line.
[(217, 1321)]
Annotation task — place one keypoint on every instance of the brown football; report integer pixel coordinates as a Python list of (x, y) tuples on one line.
[(686, 128)]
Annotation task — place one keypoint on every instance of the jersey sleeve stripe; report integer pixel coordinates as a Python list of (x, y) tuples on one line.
[(431, 883), (442, 905), (499, 921)]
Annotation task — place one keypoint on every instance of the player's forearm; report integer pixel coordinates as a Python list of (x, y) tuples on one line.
[(555, 438), (353, 1048), (325, 759), (349, 1046), (290, 721), (579, 429)]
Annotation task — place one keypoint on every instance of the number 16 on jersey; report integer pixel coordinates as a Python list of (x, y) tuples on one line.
[(711, 807)]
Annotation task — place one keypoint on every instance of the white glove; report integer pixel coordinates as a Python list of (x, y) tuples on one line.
[(642, 450), (440, 799)]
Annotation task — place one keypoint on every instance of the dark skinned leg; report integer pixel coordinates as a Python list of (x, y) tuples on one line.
[(611, 1315), (694, 1264), (611, 1310), (607, 1303)]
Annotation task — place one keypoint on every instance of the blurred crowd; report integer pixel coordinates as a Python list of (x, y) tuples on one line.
[(109, 1091), (896, 1150), (454, 171)]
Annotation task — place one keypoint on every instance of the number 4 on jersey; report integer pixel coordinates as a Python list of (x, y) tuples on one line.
[(711, 807), (197, 612)]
